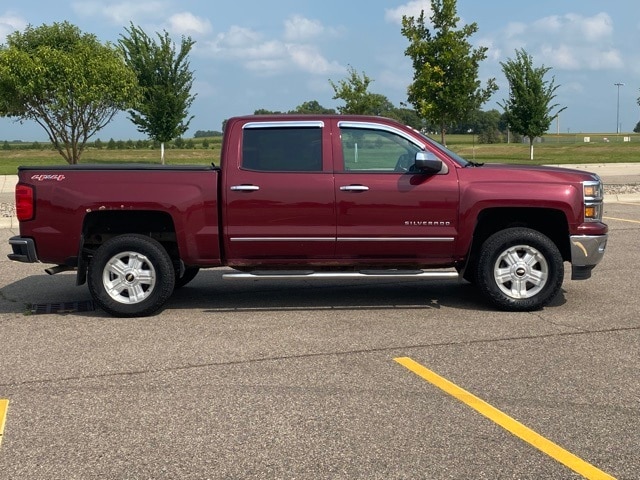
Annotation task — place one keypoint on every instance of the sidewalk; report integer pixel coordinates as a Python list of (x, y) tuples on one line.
[(7, 195), (611, 174)]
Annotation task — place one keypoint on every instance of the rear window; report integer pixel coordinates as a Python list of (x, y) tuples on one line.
[(282, 149)]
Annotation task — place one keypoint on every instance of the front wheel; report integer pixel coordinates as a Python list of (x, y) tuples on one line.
[(131, 276), (519, 269)]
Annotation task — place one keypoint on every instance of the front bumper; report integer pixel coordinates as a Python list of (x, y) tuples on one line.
[(24, 250), (586, 253)]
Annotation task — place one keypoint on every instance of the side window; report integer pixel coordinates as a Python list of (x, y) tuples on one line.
[(282, 149), (365, 149)]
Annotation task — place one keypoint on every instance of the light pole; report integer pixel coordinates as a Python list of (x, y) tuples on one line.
[(618, 108)]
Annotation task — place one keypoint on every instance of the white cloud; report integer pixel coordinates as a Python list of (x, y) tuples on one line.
[(186, 23), (411, 9), (9, 23), (568, 42), (515, 29), (270, 56), (577, 27), (121, 13), (308, 59), (236, 37), (297, 28)]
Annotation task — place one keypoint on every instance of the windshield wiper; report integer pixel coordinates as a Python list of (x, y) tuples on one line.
[(473, 164)]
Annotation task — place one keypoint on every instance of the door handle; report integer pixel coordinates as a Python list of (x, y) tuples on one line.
[(244, 188), (354, 188)]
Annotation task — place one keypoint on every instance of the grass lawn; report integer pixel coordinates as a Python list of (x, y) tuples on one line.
[(561, 149)]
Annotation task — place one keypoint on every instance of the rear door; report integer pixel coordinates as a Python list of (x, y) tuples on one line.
[(280, 200), (385, 211)]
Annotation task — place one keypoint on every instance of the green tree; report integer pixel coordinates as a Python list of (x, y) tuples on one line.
[(207, 133), (358, 100), (445, 87), (528, 110), (637, 127), (487, 127), (407, 116), (312, 107), (165, 78), (66, 81)]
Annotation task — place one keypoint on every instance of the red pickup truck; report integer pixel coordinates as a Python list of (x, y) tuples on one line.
[(312, 196)]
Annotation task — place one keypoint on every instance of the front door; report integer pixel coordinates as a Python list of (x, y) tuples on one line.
[(386, 212)]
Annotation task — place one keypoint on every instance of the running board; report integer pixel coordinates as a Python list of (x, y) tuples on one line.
[(296, 274)]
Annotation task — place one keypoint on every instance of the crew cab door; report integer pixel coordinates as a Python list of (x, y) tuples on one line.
[(385, 211), (279, 194)]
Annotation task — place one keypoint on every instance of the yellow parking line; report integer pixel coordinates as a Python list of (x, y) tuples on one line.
[(621, 219), (546, 446), (4, 405)]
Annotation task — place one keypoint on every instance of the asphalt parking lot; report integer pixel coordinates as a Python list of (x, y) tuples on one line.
[(304, 379)]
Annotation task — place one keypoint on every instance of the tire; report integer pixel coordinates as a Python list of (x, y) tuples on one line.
[(188, 275), (131, 276), (519, 269)]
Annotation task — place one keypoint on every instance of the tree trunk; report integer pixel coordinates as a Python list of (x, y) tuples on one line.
[(531, 148), (443, 133), (162, 153)]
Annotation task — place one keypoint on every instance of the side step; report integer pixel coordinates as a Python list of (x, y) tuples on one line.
[(297, 274)]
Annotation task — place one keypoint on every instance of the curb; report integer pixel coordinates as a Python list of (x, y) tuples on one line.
[(622, 198), (9, 223)]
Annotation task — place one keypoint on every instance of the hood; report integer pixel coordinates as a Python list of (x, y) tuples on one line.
[(528, 173)]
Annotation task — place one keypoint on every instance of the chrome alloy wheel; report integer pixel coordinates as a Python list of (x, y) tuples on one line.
[(129, 277), (521, 271)]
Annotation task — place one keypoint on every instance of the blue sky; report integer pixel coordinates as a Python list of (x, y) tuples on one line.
[(252, 54)]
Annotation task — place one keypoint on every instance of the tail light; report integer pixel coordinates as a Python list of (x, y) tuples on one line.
[(24, 202)]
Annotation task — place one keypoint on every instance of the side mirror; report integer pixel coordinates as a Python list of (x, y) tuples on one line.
[(427, 162)]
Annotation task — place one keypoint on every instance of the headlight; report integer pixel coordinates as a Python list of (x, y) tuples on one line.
[(592, 190), (593, 194)]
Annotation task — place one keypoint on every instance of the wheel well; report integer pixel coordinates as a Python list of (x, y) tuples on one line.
[(101, 226), (550, 222)]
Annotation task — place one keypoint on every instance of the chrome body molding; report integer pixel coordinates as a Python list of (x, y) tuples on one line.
[(283, 239), (296, 274), (285, 123), (342, 239), (395, 239)]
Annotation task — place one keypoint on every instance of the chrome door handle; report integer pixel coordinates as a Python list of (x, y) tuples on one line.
[(245, 188), (354, 188)]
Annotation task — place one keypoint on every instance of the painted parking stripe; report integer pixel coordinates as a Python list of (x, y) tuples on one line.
[(4, 406), (621, 219), (519, 430)]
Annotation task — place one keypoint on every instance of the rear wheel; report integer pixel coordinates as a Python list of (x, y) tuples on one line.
[(519, 269), (188, 275), (131, 276)]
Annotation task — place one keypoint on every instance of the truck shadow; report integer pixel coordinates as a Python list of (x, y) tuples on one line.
[(210, 293)]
